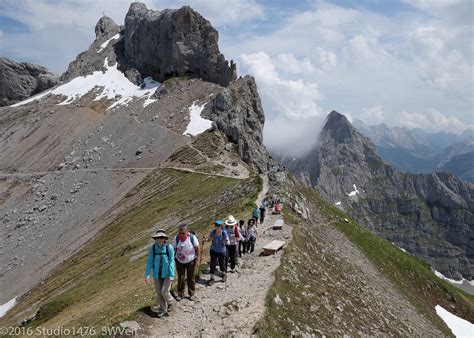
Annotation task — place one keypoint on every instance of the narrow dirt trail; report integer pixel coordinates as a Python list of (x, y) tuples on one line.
[(94, 170), (227, 309)]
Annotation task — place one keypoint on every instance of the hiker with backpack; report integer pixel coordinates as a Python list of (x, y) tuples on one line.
[(187, 250), (256, 214), (219, 239), (243, 243), (161, 261), (251, 234), (262, 212), (233, 232)]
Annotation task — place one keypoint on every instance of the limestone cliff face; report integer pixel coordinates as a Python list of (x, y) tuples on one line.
[(430, 215), (20, 80), (237, 112)]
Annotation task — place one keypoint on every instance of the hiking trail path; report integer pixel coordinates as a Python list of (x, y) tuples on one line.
[(216, 311)]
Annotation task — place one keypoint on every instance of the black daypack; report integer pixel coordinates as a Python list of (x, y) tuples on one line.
[(160, 253)]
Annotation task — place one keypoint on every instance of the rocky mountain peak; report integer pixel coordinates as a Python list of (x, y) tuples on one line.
[(338, 127), (158, 44), (178, 42), (106, 28), (137, 8)]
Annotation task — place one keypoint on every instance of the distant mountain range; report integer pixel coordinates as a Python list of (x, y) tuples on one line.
[(418, 151)]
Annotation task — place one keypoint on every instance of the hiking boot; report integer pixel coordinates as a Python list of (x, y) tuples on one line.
[(211, 282), (224, 278), (178, 298), (162, 314), (170, 307), (232, 270), (191, 298)]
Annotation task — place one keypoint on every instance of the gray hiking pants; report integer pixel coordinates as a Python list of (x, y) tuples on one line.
[(162, 288)]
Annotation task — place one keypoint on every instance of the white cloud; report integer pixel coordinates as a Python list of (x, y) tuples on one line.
[(420, 61), (290, 64), (438, 64), (227, 12), (430, 120), (293, 98), (454, 11)]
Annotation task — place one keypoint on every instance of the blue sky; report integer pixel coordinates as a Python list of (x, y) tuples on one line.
[(407, 63)]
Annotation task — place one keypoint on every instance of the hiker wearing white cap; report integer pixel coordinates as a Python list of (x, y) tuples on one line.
[(161, 260), (233, 231), (187, 257)]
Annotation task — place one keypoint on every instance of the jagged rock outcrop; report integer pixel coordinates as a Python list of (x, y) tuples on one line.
[(170, 43), (237, 112), (20, 80), (107, 34), (430, 215)]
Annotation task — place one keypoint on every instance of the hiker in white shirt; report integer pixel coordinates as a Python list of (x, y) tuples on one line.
[(187, 250)]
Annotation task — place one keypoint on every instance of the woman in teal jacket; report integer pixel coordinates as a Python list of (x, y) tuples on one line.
[(161, 260)]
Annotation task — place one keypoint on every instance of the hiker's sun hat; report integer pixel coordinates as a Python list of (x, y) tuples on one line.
[(230, 220), (218, 223), (160, 234)]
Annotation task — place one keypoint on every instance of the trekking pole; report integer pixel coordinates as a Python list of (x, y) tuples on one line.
[(200, 259)]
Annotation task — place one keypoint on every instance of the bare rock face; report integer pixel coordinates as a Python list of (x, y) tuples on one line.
[(170, 43), (19, 81), (237, 112), (429, 215)]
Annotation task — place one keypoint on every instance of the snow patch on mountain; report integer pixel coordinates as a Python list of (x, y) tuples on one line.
[(7, 307), (460, 327), (354, 192), (453, 281), (112, 84), (197, 124), (104, 45)]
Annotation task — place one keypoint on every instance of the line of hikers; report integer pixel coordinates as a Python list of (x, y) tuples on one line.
[(228, 239)]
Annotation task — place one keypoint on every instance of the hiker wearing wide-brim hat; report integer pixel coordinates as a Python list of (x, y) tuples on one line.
[(161, 261), (219, 238), (234, 237), (160, 234)]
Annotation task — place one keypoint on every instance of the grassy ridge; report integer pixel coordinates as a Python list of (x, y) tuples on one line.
[(412, 277), (103, 283)]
